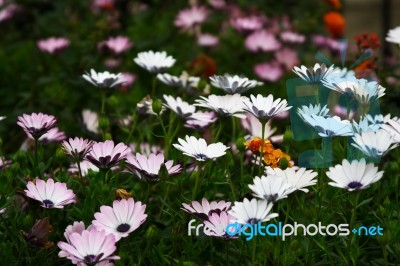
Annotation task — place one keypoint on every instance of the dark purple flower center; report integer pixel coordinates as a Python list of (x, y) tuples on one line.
[(92, 259), (354, 185), (252, 221), (200, 156), (122, 228), (48, 203), (271, 198)]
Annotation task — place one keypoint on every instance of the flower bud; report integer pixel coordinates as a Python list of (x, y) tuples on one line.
[(240, 144), (104, 123), (157, 106), (122, 194), (283, 163)]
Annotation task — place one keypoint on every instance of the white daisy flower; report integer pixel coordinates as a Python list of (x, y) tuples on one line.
[(198, 148), (90, 121), (252, 212), (364, 91), (298, 178), (154, 62), (180, 107), (393, 36), (353, 176), (271, 188), (183, 81), (227, 105), (393, 127), (233, 84), (313, 110), (264, 107), (104, 79), (316, 73), (365, 125), (329, 126), (374, 144)]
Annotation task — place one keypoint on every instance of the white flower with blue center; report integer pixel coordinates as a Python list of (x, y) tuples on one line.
[(313, 110), (264, 107), (198, 148), (353, 176), (252, 212), (233, 84), (374, 144), (271, 188), (316, 73), (365, 125), (329, 126)]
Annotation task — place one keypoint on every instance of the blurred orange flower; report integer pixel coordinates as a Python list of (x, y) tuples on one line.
[(335, 23), (203, 66)]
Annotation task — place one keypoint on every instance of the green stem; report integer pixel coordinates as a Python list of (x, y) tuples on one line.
[(80, 174), (103, 101), (153, 86), (241, 172), (219, 131), (353, 216), (233, 127), (253, 256), (287, 211), (354, 212), (196, 184), (131, 129), (37, 159), (263, 123), (231, 185)]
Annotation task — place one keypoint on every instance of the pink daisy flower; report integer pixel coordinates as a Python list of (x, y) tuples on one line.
[(36, 124), (262, 41), (124, 217), (50, 194), (117, 44), (53, 44), (86, 166), (217, 224), (149, 167), (77, 147), (53, 135), (190, 17), (207, 40), (250, 23), (287, 57), (292, 37), (89, 247), (105, 155), (205, 209), (269, 71)]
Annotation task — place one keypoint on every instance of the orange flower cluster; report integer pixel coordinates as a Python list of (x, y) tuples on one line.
[(271, 155), (367, 41)]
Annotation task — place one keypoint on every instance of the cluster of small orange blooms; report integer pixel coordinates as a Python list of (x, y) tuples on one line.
[(271, 155)]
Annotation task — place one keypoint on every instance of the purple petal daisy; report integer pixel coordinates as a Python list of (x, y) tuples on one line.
[(89, 247), (148, 167), (50, 194), (36, 124), (205, 209), (105, 155), (123, 218), (77, 147)]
